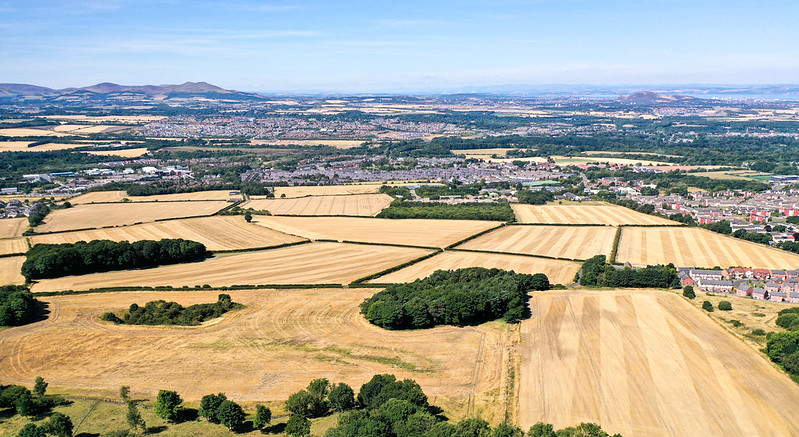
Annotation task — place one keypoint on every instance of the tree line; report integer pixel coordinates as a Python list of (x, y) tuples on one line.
[(400, 209), (161, 312), (596, 272), (457, 297), (56, 260)]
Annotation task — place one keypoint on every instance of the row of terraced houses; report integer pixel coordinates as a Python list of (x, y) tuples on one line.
[(763, 284)]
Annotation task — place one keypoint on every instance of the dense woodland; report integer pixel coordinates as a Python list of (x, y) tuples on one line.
[(17, 305), (56, 260), (457, 297), (400, 209), (161, 312), (596, 272)]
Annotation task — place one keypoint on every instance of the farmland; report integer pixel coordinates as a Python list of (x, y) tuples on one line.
[(593, 214), (216, 233), (125, 153), (574, 242), (559, 272), (415, 232), (102, 215), (10, 270), (693, 247), (326, 190), (245, 353), (360, 205), (13, 245), (646, 363), (314, 263), (22, 146), (13, 227), (117, 196)]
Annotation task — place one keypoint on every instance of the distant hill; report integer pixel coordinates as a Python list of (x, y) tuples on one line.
[(650, 98), (11, 89), (194, 88)]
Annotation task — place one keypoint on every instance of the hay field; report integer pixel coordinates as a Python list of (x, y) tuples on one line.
[(603, 214), (30, 132), (558, 272), (10, 268), (575, 242), (694, 247), (101, 215), (117, 196), (319, 333), (360, 205), (13, 227), (216, 233), (314, 263), (22, 146), (414, 232), (326, 190), (13, 245), (646, 363), (125, 153), (130, 119)]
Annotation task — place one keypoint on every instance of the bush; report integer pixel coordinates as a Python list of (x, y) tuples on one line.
[(707, 306), (263, 416), (725, 305), (787, 320), (17, 305), (209, 406), (759, 332), (231, 415), (688, 291)]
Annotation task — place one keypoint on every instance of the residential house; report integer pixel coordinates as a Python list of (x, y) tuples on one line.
[(759, 293), (777, 296), (743, 290)]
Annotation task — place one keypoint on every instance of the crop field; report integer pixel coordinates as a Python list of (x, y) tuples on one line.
[(216, 233), (741, 175), (414, 232), (13, 227), (360, 205), (326, 190), (117, 196), (102, 215), (314, 263), (558, 272), (244, 354), (30, 132), (13, 245), (603, 214), (10, 268), (646, 363), (575, 242), (693, 247), (84, 129), (22, 146), (125, 153)]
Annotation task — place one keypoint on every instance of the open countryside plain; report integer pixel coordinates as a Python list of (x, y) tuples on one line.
[(102, 215), (355, 205), (646, 364), (118, 196), (313, 263), (216, 233), (593, 214), (558, 272), (414, 232), (694, 247), (276, 345), (574, 242)]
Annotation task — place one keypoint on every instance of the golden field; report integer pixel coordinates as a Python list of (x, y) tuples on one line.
[(591, 214), (574, 242), (10, 268), (13, 245), (360, 205), (13, 227), (118, 196)]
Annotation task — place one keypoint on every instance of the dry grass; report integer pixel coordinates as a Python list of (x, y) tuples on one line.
[(117, 196), (558, 272), (10, 268), (602, 214), (276, 345), (216, 233), (432, 233), (13, 245), (694, 247), (326, 190), (315, 263), (22, 146), (645, 363), (125, 153), (102, 215), (557, 241), (360, 205), (13, 227), (30, 132)]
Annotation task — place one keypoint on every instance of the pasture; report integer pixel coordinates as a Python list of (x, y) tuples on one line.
[(13, 227), (216, 233), (414, 232), (356, 205), (591, 214), (694, 247), (314, 263), (118, 196), (102, 215), (319, 333), (558, 272), (10, 268), (646, 363), (574, 242)]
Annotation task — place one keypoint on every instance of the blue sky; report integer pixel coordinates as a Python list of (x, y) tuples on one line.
[(395, 46)]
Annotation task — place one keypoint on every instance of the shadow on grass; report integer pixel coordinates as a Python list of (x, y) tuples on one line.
[(274, 429), (156, 429)]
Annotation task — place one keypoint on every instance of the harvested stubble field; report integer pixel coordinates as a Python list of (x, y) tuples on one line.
[(646, 363), (13, 227), (276, 345), (216, 233), (125, 153), (575, 242), (13, 245), (117, 196), (414, 232), (10, 268), (603, 214), (356, 205), (30, 132), (558, 272), (118, 214), (326, 190), (694, 247), (22, 146), (314, 263)]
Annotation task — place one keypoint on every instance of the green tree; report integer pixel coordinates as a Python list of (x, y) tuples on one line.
[(341, 397), (39, 387), (298, 426), (541, 429), (134, 419), (472, 427), (31, 430), (167, 405), (319, 388), (263, 416), (124, 393), (725, 305), (301, 403), (791, 363), (505, 429), (707, 306), (248, 216), (231, 415), (688, 291), (59, 425), (25, 405), (209, 406)]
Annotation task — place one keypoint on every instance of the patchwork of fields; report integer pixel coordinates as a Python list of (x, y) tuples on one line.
[(604, 214), (117, 196), (366, 205), (325, 190), (574, 242)]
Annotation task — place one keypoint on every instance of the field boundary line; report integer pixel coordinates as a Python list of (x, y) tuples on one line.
[(615, 250), (256, 249), (236, 287), (85, 415), (395, 268), (518, 254), (477, 235), (10, 255)]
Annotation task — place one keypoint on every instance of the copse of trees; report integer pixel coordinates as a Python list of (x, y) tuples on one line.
[(458, 297), (721, 226), (788, 319), (17, 305), (395, 192), (596, 272), (160, 312), (401, 209), (783, 349), (534, 197), (56, 260), (29, 403)]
